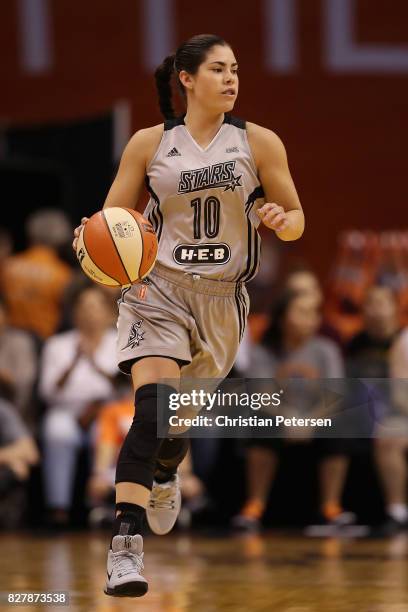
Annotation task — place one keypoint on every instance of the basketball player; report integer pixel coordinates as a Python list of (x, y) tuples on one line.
[(212, 178)]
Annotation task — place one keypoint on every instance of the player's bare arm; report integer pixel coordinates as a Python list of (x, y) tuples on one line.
[(139, 151), (282, 210), (126, 188)]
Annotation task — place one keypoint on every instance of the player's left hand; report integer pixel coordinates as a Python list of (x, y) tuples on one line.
[(273, 216)]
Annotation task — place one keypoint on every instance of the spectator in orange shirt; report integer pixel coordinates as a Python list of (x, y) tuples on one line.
[(34, 280)]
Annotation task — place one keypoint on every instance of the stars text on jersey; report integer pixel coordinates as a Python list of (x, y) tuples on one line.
[(217, 175)]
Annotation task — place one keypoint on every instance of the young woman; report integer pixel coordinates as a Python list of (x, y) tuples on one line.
[(291, 349), (77, 372), (212, 178)]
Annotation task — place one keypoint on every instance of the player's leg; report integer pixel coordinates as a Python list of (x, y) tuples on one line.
[(164, 503), (220, 311), (163, 499), (206, 358), (134, 477), (154, 328)]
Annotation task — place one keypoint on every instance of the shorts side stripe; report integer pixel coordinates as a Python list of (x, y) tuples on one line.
[(240, 301), (123, 293), (244, 311), (240, 313)]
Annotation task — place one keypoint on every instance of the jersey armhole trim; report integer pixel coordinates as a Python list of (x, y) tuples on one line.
[(251, 155), (156, 153), (235, 121), (169, 124)]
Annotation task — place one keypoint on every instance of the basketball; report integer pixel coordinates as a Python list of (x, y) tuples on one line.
[(117, 247)]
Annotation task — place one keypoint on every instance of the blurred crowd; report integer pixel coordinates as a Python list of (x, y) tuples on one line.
[(65, 408)]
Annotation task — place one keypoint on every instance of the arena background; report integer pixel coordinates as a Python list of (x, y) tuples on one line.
[(329, 76)]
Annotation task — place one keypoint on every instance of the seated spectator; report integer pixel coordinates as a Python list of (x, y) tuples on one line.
[(77, 372), (368, 351), (34, 281), (367, 356), (391, 445), (18, 453), (304, 280), (291, 348), (78, 279), (18, 367)]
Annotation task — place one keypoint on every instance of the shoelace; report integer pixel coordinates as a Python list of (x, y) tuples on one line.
[(160, 498), (127, 562)]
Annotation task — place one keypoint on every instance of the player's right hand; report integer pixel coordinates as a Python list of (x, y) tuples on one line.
[(77, 231)]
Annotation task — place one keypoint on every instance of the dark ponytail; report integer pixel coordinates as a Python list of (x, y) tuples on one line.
[(189, 56), (163, 76)]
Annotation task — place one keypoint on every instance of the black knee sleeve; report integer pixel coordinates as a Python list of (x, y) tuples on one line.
[(171, 453), (137, 458)]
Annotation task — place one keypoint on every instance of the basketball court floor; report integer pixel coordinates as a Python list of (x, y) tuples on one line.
[(241, 574)]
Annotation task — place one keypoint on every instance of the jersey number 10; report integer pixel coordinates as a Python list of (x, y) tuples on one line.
[(211, 216)]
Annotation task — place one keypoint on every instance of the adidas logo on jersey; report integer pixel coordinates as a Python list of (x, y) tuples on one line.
[(232, 150), (173, 153)]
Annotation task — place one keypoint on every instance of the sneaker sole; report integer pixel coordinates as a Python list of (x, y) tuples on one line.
[(137, 588)]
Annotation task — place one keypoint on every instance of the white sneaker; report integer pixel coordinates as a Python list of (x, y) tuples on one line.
[(125, 563), (164, 505)]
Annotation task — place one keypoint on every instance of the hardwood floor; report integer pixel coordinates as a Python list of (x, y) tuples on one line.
[(281, 574)]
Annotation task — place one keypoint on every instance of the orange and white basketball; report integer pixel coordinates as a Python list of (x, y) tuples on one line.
[(117, 247)]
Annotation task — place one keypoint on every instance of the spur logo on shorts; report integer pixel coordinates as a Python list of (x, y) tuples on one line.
[(136, 335), (201, 254), (218, 175)]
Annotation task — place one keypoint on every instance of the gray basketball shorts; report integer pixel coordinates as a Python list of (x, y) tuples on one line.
[(197, 321)]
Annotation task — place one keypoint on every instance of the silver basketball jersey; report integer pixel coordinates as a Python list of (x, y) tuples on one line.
[(203, 201)]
